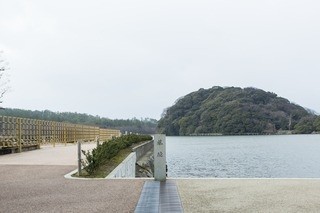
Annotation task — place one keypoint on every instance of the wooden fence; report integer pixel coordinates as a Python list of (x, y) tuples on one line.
[(23, 133)]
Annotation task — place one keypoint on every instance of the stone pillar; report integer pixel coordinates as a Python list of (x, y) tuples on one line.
[(160, 157)]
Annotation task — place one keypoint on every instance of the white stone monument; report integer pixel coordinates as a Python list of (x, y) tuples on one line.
[(160, 157)]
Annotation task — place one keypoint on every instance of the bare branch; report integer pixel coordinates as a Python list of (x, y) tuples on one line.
[(4, 66)]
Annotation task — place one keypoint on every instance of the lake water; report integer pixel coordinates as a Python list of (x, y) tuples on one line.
[(287, 156)]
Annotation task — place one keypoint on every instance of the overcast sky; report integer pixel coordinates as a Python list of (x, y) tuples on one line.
[(124, 59)]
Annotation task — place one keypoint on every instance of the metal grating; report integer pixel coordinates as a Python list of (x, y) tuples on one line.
[(159, 197)]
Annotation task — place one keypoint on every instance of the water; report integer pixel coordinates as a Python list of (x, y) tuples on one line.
[(292, 156)]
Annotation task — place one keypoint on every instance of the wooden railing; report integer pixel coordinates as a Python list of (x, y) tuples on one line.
[(20, 133)]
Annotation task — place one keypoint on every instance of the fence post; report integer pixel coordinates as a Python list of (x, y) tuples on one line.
[(79, 157), (82, 133), (74, 134), (54, 134), (39, 134), (19, 135), (65, 134), (98, 142)]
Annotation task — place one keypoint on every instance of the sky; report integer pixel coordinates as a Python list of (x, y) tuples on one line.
[(125, 59)]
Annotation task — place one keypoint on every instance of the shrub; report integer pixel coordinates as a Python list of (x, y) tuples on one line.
[(109, 149)]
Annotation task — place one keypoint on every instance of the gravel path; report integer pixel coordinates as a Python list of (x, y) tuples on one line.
[(250, 195), (44, 189)]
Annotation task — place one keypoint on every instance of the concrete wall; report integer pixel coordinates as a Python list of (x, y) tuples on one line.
[(142, 149), (126, 169)]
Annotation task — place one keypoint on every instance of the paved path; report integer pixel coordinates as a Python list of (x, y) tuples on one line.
[(47, 155), (34, 181), (44, 189)]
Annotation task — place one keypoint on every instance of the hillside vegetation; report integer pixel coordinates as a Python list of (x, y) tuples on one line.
[(144, 126), (233, 110)]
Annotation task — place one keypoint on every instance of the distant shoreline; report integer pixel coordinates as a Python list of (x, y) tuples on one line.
[(245, 134)]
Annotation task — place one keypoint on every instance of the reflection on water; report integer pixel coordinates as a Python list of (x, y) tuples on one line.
[(289, 156)]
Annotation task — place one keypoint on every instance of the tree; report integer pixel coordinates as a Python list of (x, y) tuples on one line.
[(316, 124), (3, 78), (305, 126)]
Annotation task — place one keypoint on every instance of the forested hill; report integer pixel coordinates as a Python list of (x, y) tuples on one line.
[(233, 110), (145, 126)]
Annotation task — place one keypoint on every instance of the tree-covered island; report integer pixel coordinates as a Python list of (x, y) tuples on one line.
[(236, 111)]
